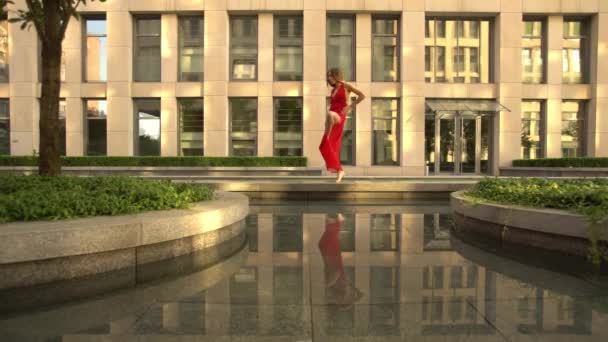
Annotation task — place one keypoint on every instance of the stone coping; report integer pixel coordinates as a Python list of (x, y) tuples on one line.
[(547, 221), (171, 168), (35, 241)]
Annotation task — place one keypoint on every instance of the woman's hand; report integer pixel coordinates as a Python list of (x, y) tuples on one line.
[(348, 109)]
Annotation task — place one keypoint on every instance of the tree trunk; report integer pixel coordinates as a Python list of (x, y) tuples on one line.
[(49, 163)]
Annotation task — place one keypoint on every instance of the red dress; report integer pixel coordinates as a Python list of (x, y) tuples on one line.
[(330, 145)]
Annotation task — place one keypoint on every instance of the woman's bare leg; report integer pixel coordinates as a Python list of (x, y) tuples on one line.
[(331, 119)]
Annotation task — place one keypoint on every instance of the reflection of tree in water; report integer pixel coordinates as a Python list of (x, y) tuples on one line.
[(148, 146)]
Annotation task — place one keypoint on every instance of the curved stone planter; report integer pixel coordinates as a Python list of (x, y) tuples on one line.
[(554, 230), (33, 253)]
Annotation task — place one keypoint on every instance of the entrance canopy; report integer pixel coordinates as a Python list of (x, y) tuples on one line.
[(487, 106)]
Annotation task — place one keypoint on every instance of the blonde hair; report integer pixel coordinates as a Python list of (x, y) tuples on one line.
[(336, 73)]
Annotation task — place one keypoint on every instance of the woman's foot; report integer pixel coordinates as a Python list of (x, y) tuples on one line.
[(340, 176)]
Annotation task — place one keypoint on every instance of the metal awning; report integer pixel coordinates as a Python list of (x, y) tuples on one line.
[(465, 106)]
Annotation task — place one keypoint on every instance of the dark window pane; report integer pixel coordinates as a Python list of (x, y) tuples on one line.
[(4, 57), (62, 127), (385, 50), (191, 49), (533, 52), (5, 128), (147, 50), (385, 116), (532, 130), (96, 111), (96, 52), (340, 45), (573, 129), (244, 48), (288, 53), (191, 119), (288, 127), (244, 126), (148, 127)]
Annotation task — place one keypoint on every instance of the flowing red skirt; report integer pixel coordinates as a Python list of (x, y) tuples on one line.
[(330, 146)]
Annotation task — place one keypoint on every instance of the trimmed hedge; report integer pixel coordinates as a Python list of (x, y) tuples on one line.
[(36, 198), (584, 196), (161, 161), (562, 162)]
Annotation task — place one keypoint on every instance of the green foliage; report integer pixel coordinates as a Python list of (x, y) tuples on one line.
[(35, 198), (588, 197), (161, 161), (562, 162)]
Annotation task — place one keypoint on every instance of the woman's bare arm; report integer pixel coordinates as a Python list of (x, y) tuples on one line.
[(359, 93)]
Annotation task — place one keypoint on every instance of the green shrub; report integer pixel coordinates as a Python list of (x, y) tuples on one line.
[(587, 197), (34, 198), (161, 161), (562, 162)]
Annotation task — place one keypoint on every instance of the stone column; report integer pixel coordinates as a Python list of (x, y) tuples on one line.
[(554, 84), (72, 47), (120, 117), (412, 94), (598, 108), (169, 56), (23, 86), (363, 117), (315, 89), (216, 78), (265, 78), (509, 81)]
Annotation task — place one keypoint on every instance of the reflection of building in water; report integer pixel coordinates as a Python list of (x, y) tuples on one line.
[(413, 283)]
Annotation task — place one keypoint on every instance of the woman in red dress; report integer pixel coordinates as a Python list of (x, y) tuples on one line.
[(335, 119)]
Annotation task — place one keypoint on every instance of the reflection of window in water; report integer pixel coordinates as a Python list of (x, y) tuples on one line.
[(244, 289), (385, 232), (340, 321), (437, 232), (384, 287), (347, 233), (251, 224), (288, 288), (287, 233), (183, 317)]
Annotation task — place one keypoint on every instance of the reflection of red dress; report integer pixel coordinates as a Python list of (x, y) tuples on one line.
[(330, 145), (329, 245)]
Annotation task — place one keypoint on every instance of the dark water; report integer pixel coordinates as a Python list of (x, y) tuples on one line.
[(388, 272)]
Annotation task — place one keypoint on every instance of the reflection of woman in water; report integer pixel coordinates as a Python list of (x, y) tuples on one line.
[(335, 278)]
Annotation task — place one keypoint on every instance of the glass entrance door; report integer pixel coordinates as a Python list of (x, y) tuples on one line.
[(462, 143)]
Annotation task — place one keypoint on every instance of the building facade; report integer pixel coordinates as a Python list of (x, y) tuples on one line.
[(454, 86)]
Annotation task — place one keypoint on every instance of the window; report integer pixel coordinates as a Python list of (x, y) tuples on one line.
[(243, 126), (288, 126), (574, 51), (191, 49), (96, 52), (62, 125), (96, 127), (341, 45), (4, 57), (532, 130), (385, 49), (147, 126), (533, 52), (573, 129), (147, 50), (385, 116), (466, 43), (384, 232), (5, 128), (191, 120), (288, 54), (244, 47)]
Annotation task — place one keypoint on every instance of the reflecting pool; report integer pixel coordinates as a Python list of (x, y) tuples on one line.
[(321, 271)]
